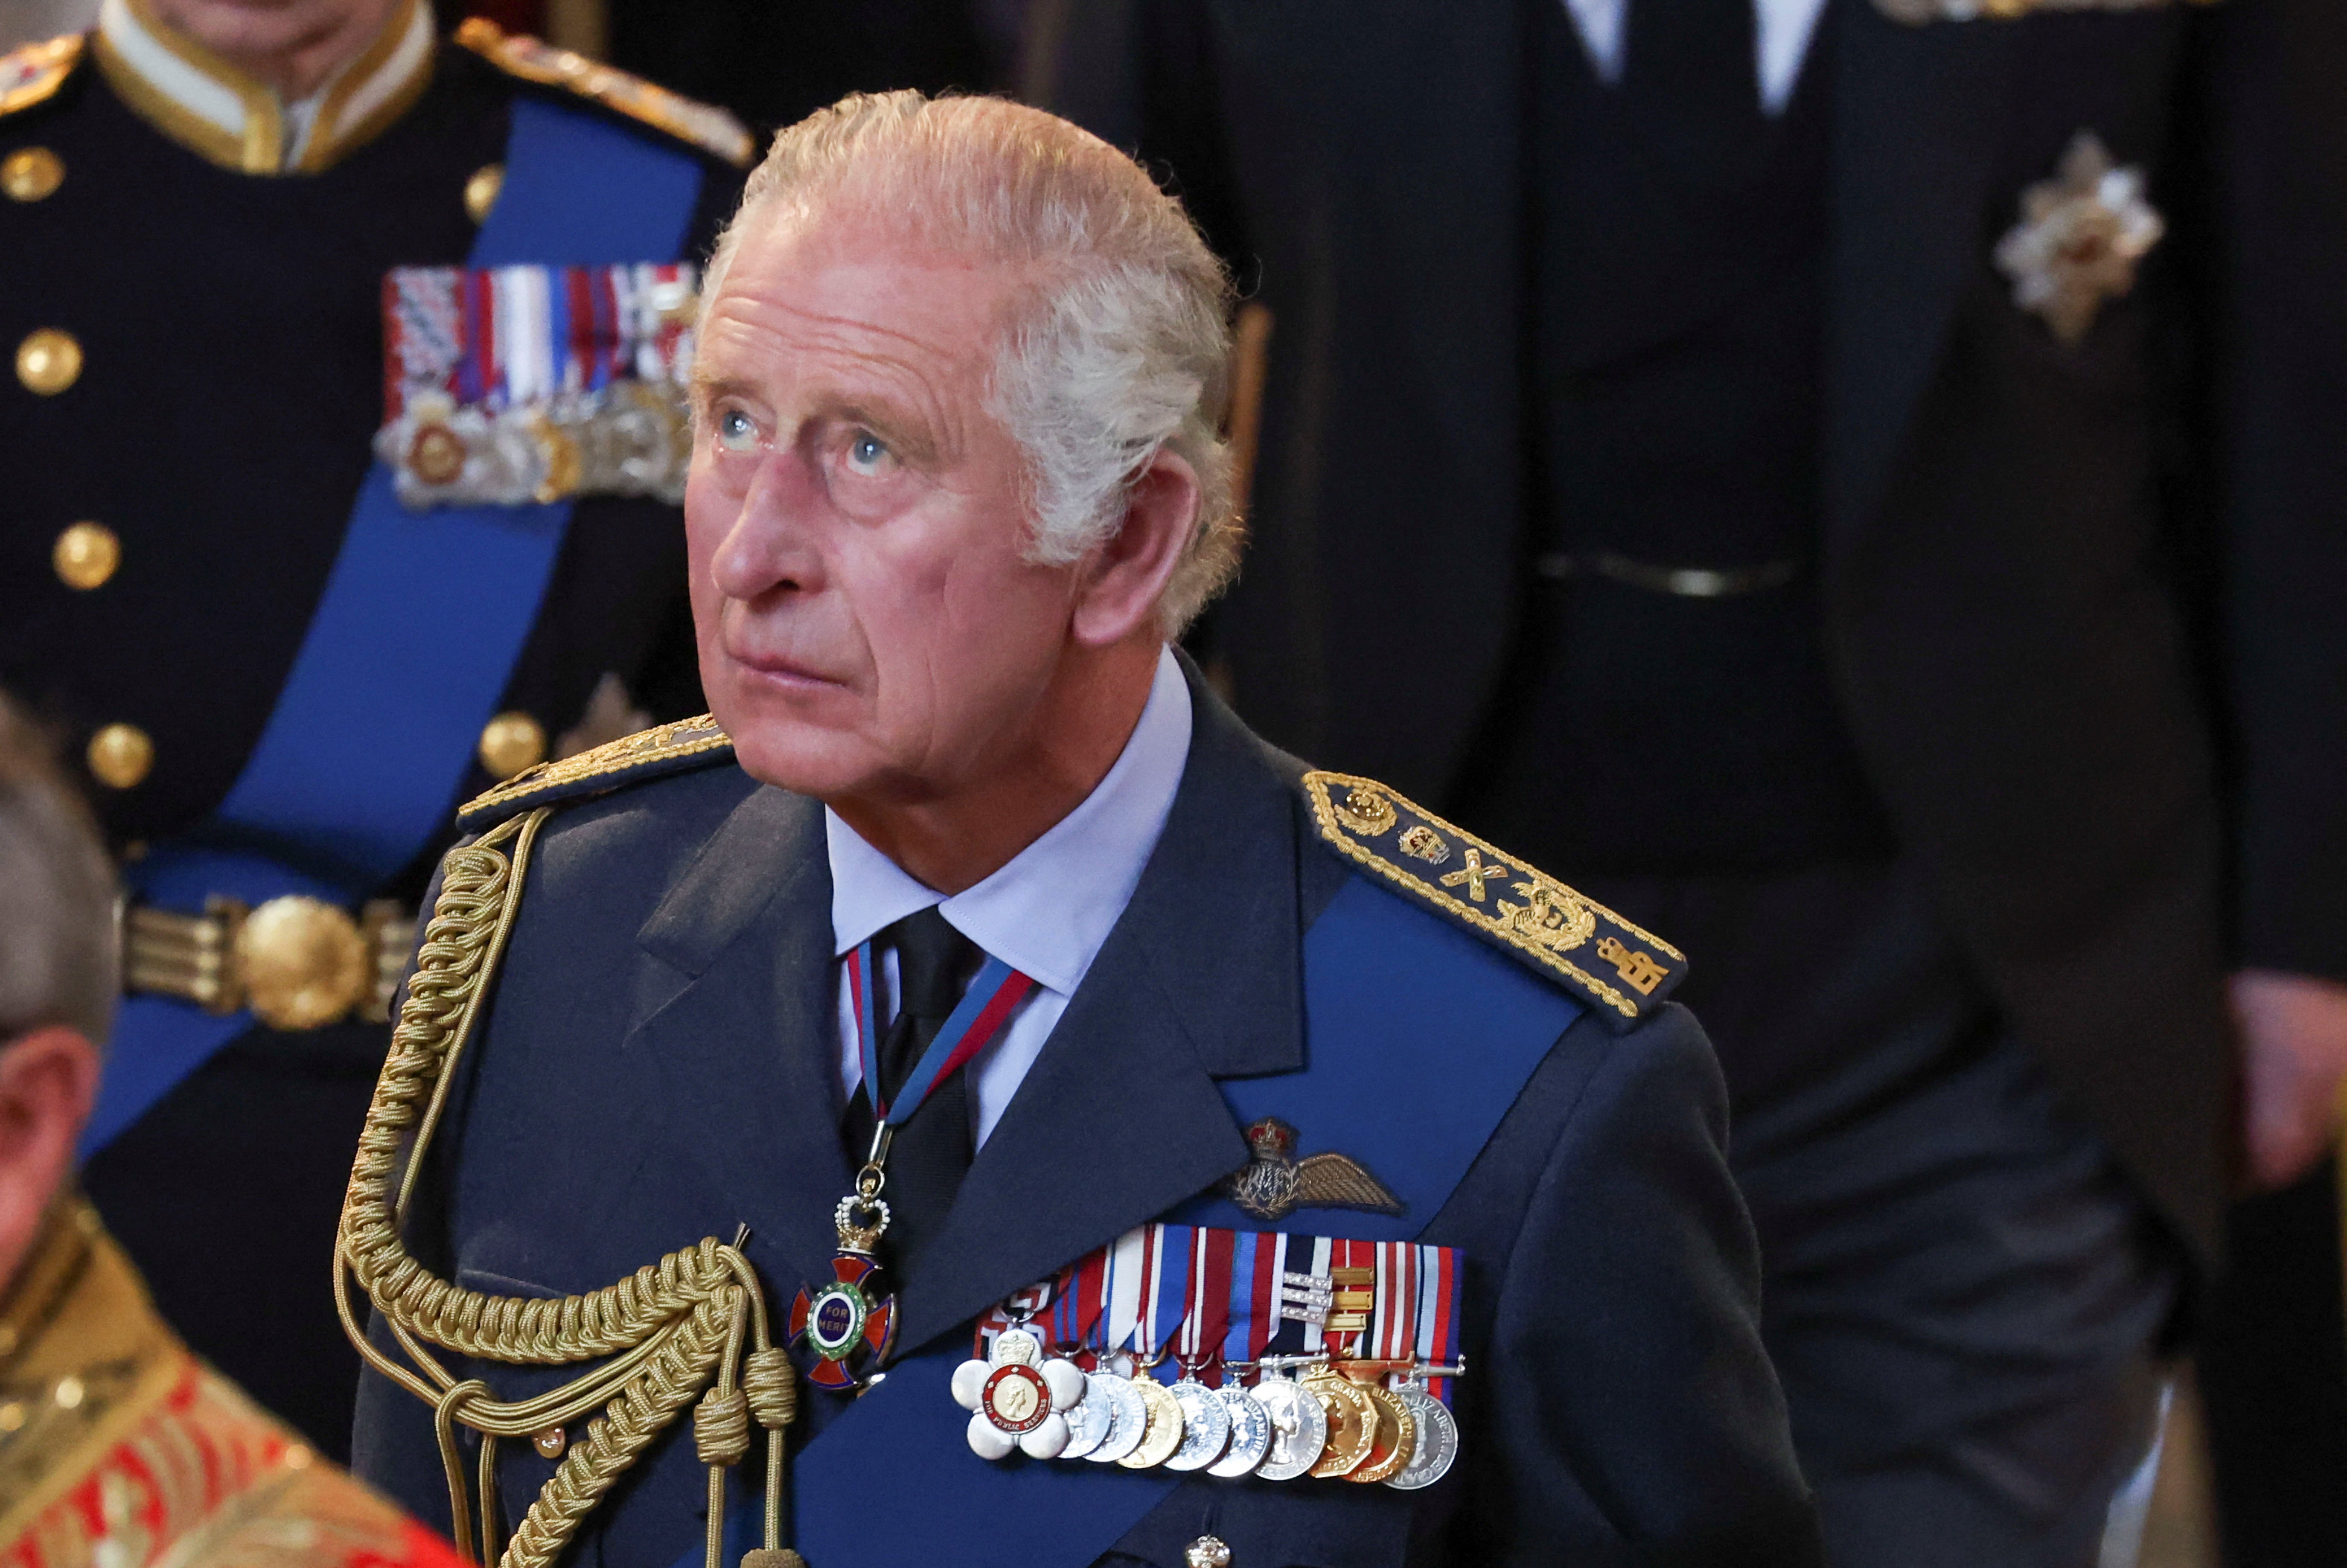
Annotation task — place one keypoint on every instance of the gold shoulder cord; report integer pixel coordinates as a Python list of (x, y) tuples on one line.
[(673, 1330)]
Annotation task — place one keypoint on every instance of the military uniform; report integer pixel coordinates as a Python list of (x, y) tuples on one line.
[(215, 588), (1321, 1013), (118, 1447)]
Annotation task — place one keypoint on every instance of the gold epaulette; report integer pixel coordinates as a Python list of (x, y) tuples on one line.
[(1495, 895), (705, 126), (33, 73), (650, 754)]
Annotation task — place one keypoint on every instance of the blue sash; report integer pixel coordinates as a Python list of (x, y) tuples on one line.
[(1384, 985), (415, 638)]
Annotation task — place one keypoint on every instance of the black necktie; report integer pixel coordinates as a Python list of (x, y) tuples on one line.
[(930, 1152), (1691, 80)]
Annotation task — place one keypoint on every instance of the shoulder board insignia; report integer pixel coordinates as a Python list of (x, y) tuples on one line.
[(707, 127), (1550, 926), (650, 754), (33, 73)]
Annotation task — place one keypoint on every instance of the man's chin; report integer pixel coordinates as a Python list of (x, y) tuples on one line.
[(789, 751)]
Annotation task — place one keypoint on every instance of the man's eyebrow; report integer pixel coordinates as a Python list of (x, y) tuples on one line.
[(707, 388)]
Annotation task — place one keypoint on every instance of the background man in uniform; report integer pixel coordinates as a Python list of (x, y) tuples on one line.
[(277, 672), (1864, 478), (116, 1446), (956, 485)]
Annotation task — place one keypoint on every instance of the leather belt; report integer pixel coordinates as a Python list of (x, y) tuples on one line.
[(297, 962), (1684, 582)]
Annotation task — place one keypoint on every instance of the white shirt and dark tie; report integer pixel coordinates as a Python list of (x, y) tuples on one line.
[(1046, 913)]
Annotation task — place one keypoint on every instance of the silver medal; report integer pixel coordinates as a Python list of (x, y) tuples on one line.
[(1132, 1422), (1090, 1421), (1438, 1440), (1250, 1434), (1017, 1345), (1205, 1426), (1299, 1427)]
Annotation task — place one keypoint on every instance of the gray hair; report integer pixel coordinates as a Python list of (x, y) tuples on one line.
[(58, 963), (1119, 347)]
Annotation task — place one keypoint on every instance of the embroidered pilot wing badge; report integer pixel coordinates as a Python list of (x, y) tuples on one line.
[(1276, 1184), (2080, 237)]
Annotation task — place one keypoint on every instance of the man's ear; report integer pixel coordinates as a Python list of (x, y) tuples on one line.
[(48, 1081), (1123, 578)]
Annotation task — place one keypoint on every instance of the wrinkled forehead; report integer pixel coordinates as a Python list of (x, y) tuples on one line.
[(828, 281)]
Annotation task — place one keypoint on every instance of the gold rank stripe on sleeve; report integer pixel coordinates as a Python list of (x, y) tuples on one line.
[(713, 130), (33, 73), (648, 753), (1495, 895)]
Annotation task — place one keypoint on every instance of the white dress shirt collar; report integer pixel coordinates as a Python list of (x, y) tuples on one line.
[(1782, 31), (1047, 911)]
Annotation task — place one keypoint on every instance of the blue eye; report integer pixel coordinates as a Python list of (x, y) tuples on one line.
[(736, 432), (866, 453)]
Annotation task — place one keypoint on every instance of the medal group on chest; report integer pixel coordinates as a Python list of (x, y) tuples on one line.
[(1195, 1349)]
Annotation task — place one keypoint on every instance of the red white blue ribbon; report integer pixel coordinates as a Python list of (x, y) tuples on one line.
[(980, 1015), (521, 336)]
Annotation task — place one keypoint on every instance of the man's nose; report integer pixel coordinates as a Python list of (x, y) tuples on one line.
[(772, 544)]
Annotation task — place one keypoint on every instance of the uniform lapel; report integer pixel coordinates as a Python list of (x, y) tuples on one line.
[(1120, 1118), (746, 1047), (1915, 139)]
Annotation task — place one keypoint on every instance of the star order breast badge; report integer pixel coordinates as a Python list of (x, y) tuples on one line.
[(1276, 1184), (2080, 237)]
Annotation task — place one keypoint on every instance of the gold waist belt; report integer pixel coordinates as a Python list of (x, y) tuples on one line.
[(297, 962)]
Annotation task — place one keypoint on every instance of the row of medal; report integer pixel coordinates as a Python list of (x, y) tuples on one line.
[(1338, 1369), (509, 384)]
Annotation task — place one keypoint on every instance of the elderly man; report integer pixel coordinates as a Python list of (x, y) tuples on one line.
[(1105, 1086), (116, 1446), (416, 308)]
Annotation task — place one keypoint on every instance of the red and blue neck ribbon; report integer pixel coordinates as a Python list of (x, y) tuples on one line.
[(981, 1014)]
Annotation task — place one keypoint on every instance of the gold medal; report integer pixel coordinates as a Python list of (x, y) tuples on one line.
[(1163, 1434), (1352, 1423), (1393, 1436)]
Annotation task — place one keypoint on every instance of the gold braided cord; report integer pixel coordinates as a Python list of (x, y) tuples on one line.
[(671, 1330)]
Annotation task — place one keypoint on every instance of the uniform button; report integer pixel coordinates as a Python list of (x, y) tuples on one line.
[(1208, 1551), (511, 742), (85, 555), (550, 1442), (119, 756), (30, 173), (481, 190), (48, 361)]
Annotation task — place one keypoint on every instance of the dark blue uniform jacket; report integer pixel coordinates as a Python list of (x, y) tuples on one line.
[(659, 1064)]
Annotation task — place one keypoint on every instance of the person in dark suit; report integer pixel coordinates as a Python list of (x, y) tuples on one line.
[(973, 933), (1857, 482), (278, 650)]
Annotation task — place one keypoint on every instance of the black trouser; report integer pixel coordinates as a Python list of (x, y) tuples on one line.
[(1963, 1294)]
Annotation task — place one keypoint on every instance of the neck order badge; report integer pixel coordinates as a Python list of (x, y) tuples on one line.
[(846, 1324)]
